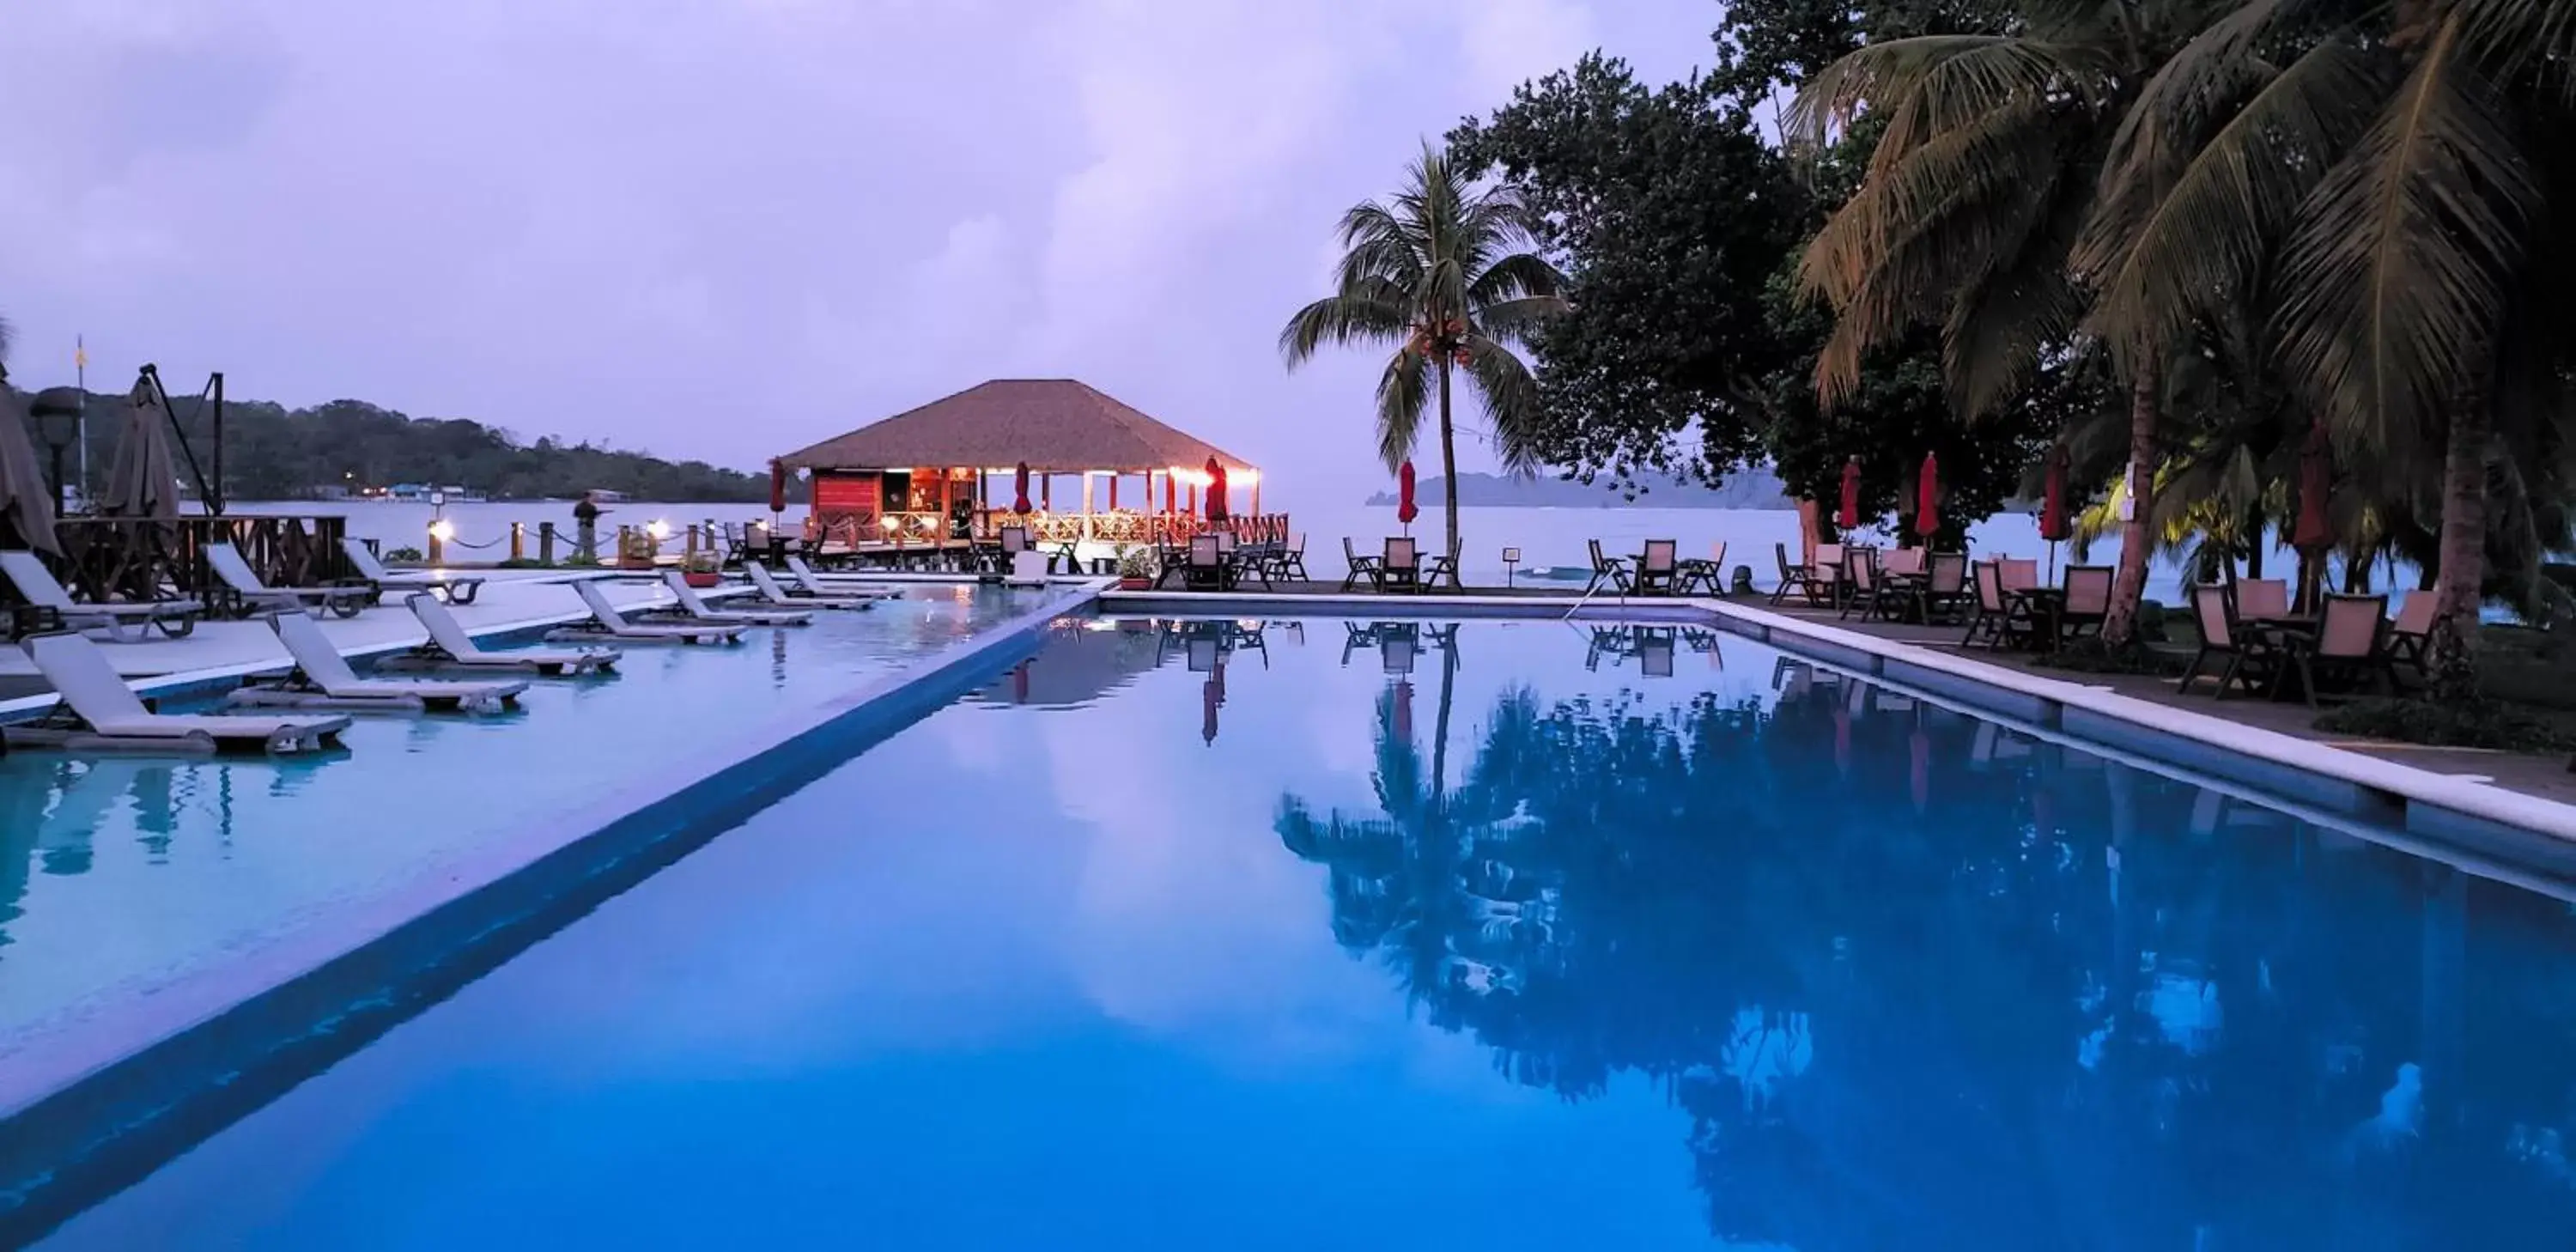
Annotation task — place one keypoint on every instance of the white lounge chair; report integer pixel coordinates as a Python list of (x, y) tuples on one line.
[(440, 583), (449, 647), (323, 679), (693, 609), (249, 595), (771, 591), (606, 622), (124, 623), (108, 716), (812, 584)]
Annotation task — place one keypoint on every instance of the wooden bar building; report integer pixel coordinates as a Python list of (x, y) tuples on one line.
[(1102, 475)]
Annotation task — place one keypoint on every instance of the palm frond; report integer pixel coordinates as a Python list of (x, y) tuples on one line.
[(2183, 223), (1402, 393), (2397, 271), (1931, 83), (1517, 276), (1511, 401), (1344, 320)]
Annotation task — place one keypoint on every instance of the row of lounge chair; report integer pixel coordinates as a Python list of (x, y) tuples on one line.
[(99, 712)]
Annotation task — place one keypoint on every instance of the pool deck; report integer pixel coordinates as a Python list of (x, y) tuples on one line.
[(218, 649)]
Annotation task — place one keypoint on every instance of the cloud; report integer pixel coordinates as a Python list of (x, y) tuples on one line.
[(718, 228)]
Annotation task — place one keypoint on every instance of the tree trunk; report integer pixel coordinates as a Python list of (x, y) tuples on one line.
[(2463, 549), (1449, 468), (2137, 543)]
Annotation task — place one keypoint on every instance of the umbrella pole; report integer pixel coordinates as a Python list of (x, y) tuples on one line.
[(2052, 562)]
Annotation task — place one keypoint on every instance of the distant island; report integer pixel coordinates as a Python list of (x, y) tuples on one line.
[(350, 447), (1747, 489)]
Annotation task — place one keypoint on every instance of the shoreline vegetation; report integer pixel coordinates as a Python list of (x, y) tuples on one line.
[(334, 451), (1743, 489)]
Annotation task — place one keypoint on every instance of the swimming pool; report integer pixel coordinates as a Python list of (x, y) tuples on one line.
[(120, 874), (1410, 935)]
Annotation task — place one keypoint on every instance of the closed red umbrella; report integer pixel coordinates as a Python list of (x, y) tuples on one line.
[(777, 485), (1403, 711), (1020, 489), (1927, 499), (2054, 525), (2316, 481), (1405, 511), (1209, 698), (1849, 517), (1216, 508)]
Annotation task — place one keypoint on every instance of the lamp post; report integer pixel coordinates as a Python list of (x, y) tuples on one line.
[(57, 411)]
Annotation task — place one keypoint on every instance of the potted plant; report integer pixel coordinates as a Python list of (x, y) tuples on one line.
[(699, 569), (1137, 568)]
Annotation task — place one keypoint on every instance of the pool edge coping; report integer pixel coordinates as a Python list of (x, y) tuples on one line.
[(2398, 794)]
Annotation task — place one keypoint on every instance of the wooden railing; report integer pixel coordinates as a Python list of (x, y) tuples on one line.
[(122, 559)]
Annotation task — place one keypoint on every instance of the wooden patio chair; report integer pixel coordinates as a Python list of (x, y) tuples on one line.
[(2252, 656), (1944, 594), (1869, 592), (1612, 570), (2350, 642), (1401, 568), (1793, 576), (1206, 570), (1362, 567), (1289, 559), (1710, 573), (2410, 637), (1659, 568), (2086, 603), (2258, 598), (2002, 619)]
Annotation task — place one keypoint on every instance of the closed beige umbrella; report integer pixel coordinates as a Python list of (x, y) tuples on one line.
[(142, 481), (26, 504)]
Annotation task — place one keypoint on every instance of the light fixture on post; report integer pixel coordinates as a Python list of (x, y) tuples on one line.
[(57, 411)]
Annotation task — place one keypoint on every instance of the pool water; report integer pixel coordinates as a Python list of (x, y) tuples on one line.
[(1417, 936), (118, 874)]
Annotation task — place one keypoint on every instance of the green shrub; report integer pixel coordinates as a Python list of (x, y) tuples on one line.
[(2482, 724), (523, 562)]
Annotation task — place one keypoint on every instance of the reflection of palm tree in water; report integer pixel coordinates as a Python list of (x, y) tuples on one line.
[(1428, 885), (1951, 1026)]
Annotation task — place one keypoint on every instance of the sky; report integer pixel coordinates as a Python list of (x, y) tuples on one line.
[(724, 229)]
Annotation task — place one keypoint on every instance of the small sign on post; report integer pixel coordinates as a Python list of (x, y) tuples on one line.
[(1511, 566)]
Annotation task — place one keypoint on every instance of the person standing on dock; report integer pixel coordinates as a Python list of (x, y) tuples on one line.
[(585, 520)]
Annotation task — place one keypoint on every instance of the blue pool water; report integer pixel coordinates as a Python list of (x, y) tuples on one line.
[(120, 874), (1405, 937)]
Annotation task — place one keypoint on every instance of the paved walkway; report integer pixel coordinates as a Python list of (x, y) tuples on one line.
[(2544, 776)]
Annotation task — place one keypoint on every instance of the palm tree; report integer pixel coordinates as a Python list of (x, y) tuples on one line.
[(1983, 175), (1443, 272), (2386, 184)]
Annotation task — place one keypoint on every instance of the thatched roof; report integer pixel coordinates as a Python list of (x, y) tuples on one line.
[(1052, 423)]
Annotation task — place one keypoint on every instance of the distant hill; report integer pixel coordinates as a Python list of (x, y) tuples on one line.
[(1748, 489), (272, 452)]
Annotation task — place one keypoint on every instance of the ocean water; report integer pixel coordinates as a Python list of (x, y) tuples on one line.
[(1545, 537), (1408, 936)]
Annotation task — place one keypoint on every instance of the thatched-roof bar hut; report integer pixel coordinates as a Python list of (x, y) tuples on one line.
[(927, 476)]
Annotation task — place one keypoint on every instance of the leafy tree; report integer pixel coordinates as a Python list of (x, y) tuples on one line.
[(2381, 180), (1975, 194), (1669, 214), (1441, 271)]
